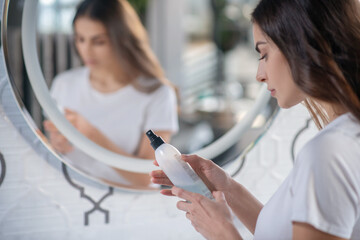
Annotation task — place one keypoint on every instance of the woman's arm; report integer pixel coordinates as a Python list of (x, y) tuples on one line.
[(306, 231), (243, 204), (144, 149)]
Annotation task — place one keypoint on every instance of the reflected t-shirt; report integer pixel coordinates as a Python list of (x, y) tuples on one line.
[(123, 116)]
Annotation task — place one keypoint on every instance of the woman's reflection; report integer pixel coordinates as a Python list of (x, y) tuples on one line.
[(121, 90)]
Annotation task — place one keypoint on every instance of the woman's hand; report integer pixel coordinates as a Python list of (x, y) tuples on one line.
[(242, 202), (80, 123), (215, 178), (57, 140), (211, 218)]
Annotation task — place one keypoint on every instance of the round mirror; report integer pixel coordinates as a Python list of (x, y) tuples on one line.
[(223, 111)]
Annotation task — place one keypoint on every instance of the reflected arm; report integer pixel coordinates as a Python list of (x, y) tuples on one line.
[(144, 151), (94, 134)]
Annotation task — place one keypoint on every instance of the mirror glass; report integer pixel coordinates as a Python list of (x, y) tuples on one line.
[(215, 80)]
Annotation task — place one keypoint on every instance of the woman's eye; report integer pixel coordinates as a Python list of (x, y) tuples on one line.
[(99, 42), (263, 57), (79, 40)]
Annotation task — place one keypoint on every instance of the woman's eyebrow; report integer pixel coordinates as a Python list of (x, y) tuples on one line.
[(100, 35), (257, 46)]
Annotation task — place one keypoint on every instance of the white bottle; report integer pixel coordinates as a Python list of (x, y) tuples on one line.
[(178, 171)]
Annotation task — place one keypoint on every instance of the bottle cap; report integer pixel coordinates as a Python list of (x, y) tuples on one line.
[(155, 140)]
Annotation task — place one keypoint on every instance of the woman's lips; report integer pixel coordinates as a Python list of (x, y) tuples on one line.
[(90, 62), (272, 92)]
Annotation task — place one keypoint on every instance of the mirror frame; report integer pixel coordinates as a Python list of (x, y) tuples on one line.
[(17, 113)]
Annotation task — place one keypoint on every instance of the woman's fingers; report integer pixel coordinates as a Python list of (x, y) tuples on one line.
[(206, 215), (68, 111), (186, 195), (158, 174), (159, 177), (57, 137), (66, 148), (49, 126), (62, 147), (162, 181), (72, 117), (183, 206), (196, 162), (167, 192), (191, 159), (57, 140), (60, 143)]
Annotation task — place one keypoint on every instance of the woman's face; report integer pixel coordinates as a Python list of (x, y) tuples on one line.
[(274, 70), (93, 43)]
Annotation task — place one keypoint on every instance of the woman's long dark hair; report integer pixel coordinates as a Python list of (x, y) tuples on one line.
[(129, 39), (321, 41)]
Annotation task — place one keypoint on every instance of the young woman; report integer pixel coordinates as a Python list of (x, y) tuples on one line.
[(310, 53), (121, 92)]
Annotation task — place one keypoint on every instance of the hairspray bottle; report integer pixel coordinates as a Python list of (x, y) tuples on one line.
[(178, 171)]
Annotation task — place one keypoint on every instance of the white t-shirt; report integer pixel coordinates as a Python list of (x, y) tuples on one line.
[(323, 189), (122, 116)]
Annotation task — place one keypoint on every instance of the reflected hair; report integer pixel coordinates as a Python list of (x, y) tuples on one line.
[(129, 39), (321, 41)]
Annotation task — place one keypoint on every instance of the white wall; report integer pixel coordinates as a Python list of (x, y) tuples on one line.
[(37, 202)]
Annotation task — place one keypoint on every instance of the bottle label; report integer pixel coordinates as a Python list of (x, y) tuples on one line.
[(187, 168)]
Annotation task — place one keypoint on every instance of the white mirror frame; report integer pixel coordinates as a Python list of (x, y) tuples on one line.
[(99, 153)]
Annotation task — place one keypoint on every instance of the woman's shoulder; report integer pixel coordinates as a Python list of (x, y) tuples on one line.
[(163, 90), (339, 141), (338, 133), (164, 95)]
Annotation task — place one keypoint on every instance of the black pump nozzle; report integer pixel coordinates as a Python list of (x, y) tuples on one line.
[(155, 141)]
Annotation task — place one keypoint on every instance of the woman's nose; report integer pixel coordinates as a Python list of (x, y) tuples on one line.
[(260, 78), (260, 75), (84, 49)]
